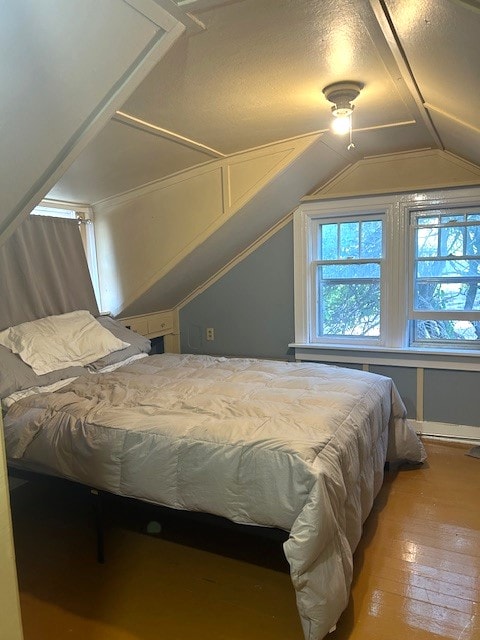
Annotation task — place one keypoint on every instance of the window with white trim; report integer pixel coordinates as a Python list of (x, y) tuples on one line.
[(347, 277), (446, 277), (396, 272)]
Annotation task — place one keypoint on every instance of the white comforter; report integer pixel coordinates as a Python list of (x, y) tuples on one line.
[(290, 445)]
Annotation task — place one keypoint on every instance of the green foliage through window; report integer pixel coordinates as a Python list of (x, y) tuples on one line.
[(348, 278)]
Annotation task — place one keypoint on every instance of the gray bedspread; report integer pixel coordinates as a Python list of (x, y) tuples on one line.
[(296, 446)]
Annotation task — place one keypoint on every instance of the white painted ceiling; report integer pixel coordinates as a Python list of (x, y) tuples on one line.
[(251, 72)]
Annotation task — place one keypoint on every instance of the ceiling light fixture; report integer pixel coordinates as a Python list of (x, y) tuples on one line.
[(342, 94)]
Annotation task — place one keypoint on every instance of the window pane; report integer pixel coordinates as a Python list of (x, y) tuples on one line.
[(427, 220), (328, 249), (350, 309), (350, 271), (440, 331), (447, 296), (448, 268), (349, 240), (371, 239), (473, 240), (449, 219), (451, 241), (427, 243), (53, 212)]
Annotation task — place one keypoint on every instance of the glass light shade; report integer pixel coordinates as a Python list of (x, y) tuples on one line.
[(341, 125)]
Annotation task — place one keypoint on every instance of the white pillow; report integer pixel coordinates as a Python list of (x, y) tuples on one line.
[(57, 342)]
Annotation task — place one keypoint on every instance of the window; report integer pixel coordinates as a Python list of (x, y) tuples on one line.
[(446, 281), (398, 272), (348, 278), (84, 215), (48, 209)]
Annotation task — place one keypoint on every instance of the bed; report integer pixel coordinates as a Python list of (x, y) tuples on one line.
[(295, 446)]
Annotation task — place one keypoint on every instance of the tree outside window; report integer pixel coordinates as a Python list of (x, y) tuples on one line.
[(447, 276)]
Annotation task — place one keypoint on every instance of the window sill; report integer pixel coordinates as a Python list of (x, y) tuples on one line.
[(468, 360)]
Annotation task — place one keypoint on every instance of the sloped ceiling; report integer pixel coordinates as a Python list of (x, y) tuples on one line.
[(442, 49), (252, 73), (65, 67)]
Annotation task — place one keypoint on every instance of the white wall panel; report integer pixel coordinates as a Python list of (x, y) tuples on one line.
[(144, 234), (158, 243), (247, 171), (403, 172)]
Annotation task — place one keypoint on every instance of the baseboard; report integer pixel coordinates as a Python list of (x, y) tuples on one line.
[(447, 431)]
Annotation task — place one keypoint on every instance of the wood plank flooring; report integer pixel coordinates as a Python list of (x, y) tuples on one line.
[(417, 568), (417, 571)]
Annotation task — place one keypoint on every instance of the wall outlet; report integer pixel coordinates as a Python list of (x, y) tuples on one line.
[(210, 334)]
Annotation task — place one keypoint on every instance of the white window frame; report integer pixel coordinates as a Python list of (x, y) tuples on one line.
[(314, 323), (456, 205), (306, 219), (397, 308), (84, 214)]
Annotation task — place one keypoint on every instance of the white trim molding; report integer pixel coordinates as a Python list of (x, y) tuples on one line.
[(412, 357), (466, 433)]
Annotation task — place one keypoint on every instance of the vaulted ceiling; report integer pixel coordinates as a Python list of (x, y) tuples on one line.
[(247, 73)]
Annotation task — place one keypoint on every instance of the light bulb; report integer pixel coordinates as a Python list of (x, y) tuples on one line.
[(341, 125)]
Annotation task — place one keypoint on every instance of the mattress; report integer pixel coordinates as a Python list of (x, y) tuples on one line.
[(296, 446)]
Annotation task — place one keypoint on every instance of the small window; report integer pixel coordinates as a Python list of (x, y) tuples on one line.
[(54, 212)]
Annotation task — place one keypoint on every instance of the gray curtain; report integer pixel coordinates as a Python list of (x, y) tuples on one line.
[(43, 271)]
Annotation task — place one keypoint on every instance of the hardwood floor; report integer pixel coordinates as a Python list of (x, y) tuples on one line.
[(416, 577), (417, 568)]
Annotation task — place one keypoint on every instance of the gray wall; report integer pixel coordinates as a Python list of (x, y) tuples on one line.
[(452, 396), (251, 309), (406, 382)]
